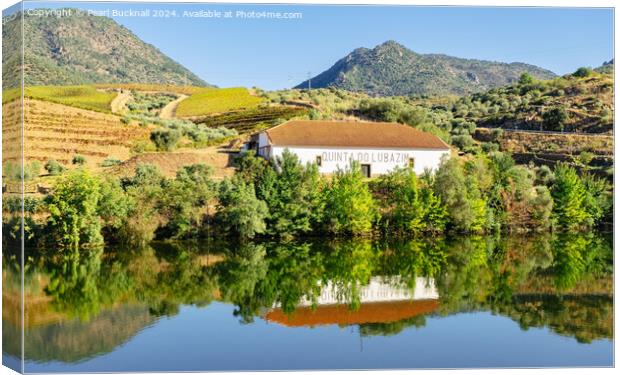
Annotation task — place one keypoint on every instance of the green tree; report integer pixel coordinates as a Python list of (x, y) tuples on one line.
[(250, 167), (524, 205), (569, 197), (113, 205), (461, 196), (144, 192), (555, 118), (402, 198), (526, 79), (240, 211), (186, 199), (293, 195), (72, 205), (599, 198), (349, 205), (435, 215)]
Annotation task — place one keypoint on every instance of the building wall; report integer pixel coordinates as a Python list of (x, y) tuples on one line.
[(381, 161)]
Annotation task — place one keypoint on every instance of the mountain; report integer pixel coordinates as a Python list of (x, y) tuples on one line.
[(84, 49), (607, 67), (391, 69)]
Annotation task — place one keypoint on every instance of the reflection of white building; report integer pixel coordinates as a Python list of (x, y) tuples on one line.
[(383, 300), (379, 289), (332, 145)]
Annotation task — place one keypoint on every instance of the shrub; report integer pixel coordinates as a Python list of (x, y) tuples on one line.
[(497, 134), (582, 72), (585, 158), (489, 147), (110, 162), (78, 160), (165, 140), (13, 171), (463, 141), (53, 167), (32, 170)]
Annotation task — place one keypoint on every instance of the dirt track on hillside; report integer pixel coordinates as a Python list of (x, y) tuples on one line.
[(118, 103), (170, 110)]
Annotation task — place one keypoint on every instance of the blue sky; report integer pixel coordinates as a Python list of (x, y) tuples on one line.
[(274, 54)]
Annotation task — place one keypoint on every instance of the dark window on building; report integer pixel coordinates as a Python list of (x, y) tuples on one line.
[(366, 170), (319, 161), (411, 163)]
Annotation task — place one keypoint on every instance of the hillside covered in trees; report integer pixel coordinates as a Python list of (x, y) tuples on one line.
[(73, 50), (392, 69)]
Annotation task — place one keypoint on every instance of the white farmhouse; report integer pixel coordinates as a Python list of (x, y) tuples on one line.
[(332, 145)]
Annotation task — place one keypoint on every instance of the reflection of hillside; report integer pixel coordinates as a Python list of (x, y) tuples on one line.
[(74, 340), (38, 310)]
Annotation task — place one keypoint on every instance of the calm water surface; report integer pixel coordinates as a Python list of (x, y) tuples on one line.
[(441, 303)]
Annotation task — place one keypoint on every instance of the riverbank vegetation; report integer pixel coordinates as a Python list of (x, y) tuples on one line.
[(285, 199)]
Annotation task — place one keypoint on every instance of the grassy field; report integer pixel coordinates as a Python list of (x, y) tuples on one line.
[(211, 101), (85, 97)]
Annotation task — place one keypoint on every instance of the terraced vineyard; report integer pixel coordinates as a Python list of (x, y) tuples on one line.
[(211, 101), (578, 149), (248, 120), (59, 132)]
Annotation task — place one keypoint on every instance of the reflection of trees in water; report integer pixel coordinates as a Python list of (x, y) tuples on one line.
[(562, 282), (535, 281), (586, 317), (392, 328), (73, 282), (99, 300)]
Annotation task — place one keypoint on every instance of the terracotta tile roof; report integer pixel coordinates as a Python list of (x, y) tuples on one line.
[(377, 312), (352, 134)]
